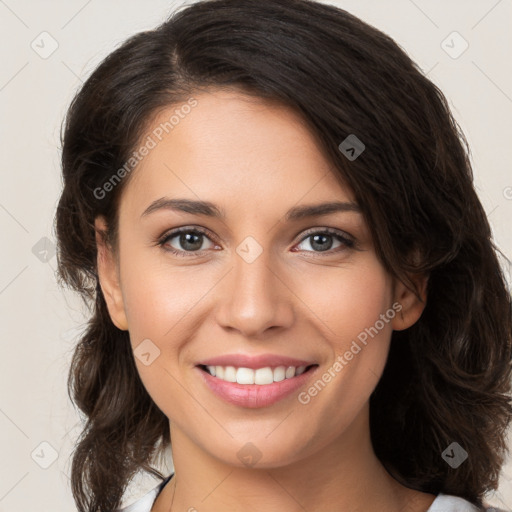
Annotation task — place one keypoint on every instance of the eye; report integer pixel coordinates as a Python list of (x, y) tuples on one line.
[(190, 239), (322, 240)]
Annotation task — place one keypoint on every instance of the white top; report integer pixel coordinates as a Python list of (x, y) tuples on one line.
[(442, 503)]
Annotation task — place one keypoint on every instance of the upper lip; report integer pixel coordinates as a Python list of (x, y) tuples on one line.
[(254, 362)]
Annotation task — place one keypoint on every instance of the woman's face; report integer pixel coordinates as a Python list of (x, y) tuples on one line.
[(261, 282)]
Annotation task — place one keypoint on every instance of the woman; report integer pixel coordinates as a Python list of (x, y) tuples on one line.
[(271, 211)]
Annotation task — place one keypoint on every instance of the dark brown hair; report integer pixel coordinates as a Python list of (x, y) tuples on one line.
[(447, 377)]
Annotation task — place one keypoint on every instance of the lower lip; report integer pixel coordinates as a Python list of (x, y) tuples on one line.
[(254, 395)]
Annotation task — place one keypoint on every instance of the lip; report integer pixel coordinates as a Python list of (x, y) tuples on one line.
[(254, 362), (254, 396)]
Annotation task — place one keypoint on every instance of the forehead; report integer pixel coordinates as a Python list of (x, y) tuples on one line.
[(231, 147)]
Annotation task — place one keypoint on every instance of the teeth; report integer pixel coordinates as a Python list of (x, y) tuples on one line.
[(245, 376), (260, 376), (230, 374), (279, 373), (290, 372)]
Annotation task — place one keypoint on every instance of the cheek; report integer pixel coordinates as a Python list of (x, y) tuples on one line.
[(346, 300), (158, 296), (161, 305), (349, 315)]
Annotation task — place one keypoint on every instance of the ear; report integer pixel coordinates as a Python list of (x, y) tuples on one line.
[(109, 277), (409, 306)]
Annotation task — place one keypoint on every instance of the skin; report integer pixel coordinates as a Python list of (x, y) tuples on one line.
[(255, 160)]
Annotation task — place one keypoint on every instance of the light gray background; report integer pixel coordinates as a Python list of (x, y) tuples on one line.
[(40, 321)]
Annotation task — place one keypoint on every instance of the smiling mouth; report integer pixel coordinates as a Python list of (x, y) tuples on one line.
[(260, 376)]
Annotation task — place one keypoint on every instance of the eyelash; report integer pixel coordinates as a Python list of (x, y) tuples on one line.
[(345, 240)]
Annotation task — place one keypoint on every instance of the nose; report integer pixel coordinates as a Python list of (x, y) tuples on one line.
[(255, 298)]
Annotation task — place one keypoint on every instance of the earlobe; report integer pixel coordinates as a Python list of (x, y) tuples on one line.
[(411, 307), (108, 276)]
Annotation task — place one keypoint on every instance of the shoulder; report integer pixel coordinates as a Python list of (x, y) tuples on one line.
[(450, 503), (145, 503)]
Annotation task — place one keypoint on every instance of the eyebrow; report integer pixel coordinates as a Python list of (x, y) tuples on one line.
[(211, 210)]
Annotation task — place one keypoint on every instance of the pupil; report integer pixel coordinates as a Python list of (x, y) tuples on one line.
[(189, 244), (322, 246)]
